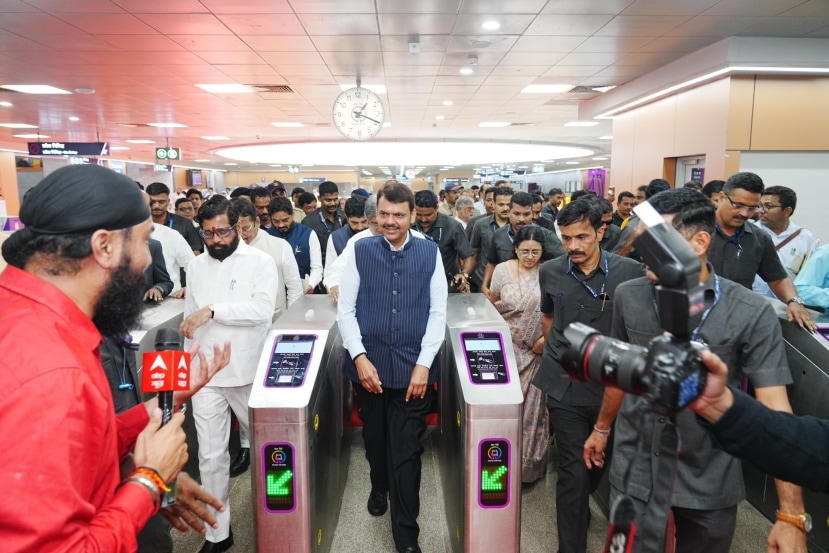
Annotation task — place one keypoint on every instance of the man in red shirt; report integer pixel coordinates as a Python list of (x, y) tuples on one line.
[(75, 272)]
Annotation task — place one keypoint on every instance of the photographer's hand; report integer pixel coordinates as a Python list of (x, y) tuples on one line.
[(717, 398)]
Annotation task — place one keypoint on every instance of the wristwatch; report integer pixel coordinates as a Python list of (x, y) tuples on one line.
[(795, 299), (804, 521)]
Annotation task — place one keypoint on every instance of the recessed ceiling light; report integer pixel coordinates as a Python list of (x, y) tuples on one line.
[(287, 124), (85, 90), (494, 124), (115, 148), (376, 88), (571, 162), (167, 125), (387, 123), (466, 71), (35, 89), (202, 160), (491, 25), (439, 117), (141, 141), (606, 137), (448, 102), (274, 165), (546, 88), (18, 126), (231, 88), (30, 136), (603, 89), (215, 138), (230, 164), (73, 118), (307, 165), (523, 166), (599, 158), (581, 124), (6, 104)]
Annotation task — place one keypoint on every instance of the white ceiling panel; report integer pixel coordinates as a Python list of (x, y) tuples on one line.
[(668, 7), (788, 26), (434, 24), (714, 26), (616, 44), (481, 43), (642, 25), (428, 43), (470, 24), (339, 23), (333, 6), (548, 43), (263, 24), (766, 8), (567, 25), (421, 6), (347, 43)]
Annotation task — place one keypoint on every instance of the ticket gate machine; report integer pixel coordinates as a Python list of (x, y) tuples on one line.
[(808, 357), (298, 406), (481, 407)]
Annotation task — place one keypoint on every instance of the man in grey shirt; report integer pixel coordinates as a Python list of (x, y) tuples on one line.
[(743, 330)]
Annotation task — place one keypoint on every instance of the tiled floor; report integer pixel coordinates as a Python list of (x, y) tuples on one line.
[(359, 532)]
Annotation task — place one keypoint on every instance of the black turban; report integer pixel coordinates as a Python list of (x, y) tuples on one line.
[(79, 199)]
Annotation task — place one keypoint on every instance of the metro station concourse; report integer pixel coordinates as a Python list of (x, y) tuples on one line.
[(569, 94)]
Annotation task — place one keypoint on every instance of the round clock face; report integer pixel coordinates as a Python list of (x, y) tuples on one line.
[(358, 114)]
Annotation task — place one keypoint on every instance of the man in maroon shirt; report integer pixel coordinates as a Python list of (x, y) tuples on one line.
[(75, 272)]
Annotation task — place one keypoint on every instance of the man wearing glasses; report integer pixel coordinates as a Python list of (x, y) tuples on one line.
[(739, 251), (793, 243), (230, 297), (578, 287)]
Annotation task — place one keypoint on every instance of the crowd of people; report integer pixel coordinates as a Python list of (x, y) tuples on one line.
[(80, 271)]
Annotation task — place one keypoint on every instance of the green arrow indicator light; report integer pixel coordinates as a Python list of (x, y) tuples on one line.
[(276, 486), (492, 482)]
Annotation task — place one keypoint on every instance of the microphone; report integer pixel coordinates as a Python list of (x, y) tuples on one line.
[(622, 526), (166, 370)]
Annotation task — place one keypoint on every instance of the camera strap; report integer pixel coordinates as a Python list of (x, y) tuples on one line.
[(655, 522)]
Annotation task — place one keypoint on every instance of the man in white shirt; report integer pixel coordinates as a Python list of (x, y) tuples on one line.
[(355, 216), (466, 209), (231, 297), (177, 256), (290, 285), (793, 243)]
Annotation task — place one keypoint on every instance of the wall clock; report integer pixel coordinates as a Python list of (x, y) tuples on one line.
[(358, 113)]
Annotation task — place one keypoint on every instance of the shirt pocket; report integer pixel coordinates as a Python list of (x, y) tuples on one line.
[(241, 291)]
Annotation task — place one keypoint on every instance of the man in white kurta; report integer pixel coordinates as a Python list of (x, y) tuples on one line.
[(289, 288), (231, 295)]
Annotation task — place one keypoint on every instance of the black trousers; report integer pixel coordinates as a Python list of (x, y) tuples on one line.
[(572, 426), (392, 428)]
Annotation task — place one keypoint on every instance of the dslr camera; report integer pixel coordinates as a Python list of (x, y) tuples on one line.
[(668, 372)]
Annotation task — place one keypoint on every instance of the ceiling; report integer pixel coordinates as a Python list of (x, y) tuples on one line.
[(143, 59)]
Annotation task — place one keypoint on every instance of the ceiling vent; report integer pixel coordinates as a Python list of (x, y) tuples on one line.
[(586, 89), (276, 88)]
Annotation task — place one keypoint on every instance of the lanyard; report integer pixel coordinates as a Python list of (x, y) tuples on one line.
[(429, 236), (717, 295), (325, 221), (600, 295), (169, 220)]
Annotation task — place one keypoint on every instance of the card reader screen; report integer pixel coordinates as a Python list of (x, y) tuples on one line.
[(484, 356), (290, 360), (278, 474)]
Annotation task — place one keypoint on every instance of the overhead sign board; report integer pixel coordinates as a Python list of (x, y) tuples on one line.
[(168, 153), (68, 148)]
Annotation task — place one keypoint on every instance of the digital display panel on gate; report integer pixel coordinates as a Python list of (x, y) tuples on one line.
[(278, 475), (290, 360), (493, 477), (484, 356)]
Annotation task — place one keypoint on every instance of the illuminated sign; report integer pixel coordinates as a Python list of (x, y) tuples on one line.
[(279, 476), (493, 481), (68, 148), (290, 360), (168, 153)]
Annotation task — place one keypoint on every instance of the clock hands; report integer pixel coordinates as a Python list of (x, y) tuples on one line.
[(360, 113), (370, 119)]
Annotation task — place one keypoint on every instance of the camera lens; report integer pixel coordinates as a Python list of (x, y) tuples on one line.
[(592, 357)]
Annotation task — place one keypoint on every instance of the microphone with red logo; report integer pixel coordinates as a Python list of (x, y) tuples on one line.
[(166, 370), (622, 526)]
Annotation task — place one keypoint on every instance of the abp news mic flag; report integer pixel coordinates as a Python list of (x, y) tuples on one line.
[(166, 370)]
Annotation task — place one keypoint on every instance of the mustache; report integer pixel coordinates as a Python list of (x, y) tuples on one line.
[(577, 252)]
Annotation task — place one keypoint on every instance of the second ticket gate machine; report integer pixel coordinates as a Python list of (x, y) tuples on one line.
[(481, 407), (298, 406)]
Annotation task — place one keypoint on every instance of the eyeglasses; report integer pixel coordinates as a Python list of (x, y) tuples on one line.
[(184, 208), (246, 229), (529, 253), (768, 207), (741, 207), (220, 232)]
